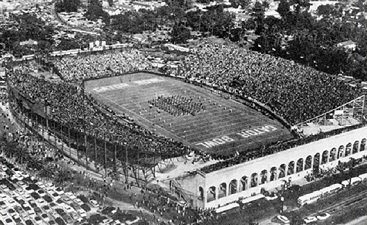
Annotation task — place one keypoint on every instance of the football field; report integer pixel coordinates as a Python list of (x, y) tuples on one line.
[(222, 127)]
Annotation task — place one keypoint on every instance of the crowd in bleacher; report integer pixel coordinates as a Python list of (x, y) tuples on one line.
[(291, 90), (68, 106), (177, 105), (98, 65)]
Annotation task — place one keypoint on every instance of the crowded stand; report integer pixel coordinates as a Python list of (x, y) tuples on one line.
[(291, 90), (70, 108), (88, 66), (177, 105), (278, 83)]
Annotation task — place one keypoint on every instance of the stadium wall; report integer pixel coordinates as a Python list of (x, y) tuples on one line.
[(243, 180)]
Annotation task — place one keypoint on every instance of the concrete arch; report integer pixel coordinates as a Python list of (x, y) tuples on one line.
[(254, 180), (325, 157), (222, 190), (316, 163), (332, 155), (212, 194), (363, 145), (341, 151), (299, 166), (308, 162), (244, 183), (233, 187), (355, 147), (282, 170), (348, 149), (273, 173), (263, 177), (290, 170), (201, 193)]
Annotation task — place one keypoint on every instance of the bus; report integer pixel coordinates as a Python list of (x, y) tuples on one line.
[(332, 189), (352, 182), (363, 177), (252, 198), (309, 198)]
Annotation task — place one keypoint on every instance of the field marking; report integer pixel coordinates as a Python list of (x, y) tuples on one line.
[(152, 125), (191, 130)]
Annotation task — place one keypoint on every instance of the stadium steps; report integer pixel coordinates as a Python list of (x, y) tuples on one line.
[(176, 187)]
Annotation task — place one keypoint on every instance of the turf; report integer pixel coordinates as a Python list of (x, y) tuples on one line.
[(129, 94)]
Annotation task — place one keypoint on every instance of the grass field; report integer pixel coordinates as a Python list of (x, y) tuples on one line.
[(223, 127)]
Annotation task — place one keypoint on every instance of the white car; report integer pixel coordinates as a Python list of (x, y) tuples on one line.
[(20, 191), (323, 216), (310, 219), (3, 197), (41, 184), (59, 191), (17, 176), (94, 203), (283, 219), (78, 201), (27, 197), (82, 213), (70, 195), (11, 202), (68, 209), (41, 202), (41, 193), (49, 185), (25, 174), (3, 213)]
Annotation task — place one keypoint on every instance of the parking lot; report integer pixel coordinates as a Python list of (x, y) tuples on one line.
[(26, 200)]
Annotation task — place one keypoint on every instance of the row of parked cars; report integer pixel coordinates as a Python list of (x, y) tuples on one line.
[(25, 200)]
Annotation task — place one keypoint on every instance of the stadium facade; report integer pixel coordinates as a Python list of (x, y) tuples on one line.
[(219, 187)]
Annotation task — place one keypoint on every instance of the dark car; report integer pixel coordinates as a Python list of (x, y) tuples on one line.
[(60, 221), (29, 222), (37, 210), (35, 195), (47, 198)]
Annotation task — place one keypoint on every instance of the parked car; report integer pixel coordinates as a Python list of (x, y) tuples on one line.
[(322, 216), (283, 219), (310, 219)]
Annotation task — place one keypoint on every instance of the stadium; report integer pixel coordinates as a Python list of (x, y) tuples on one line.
[(223, 125)]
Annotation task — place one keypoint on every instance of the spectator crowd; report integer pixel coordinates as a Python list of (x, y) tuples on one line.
[(74, 69), (293, 91), (68, 107)]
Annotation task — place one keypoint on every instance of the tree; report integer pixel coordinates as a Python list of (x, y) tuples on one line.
[(259, 15), (325, 10), (110, 3), (67, 6), (180, 34), (95, 12), (63, 175), (283, 8)]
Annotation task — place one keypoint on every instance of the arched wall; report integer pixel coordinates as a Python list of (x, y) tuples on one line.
[(292, 156)]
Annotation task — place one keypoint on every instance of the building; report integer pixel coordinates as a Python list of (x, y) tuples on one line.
[(229, 184)]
